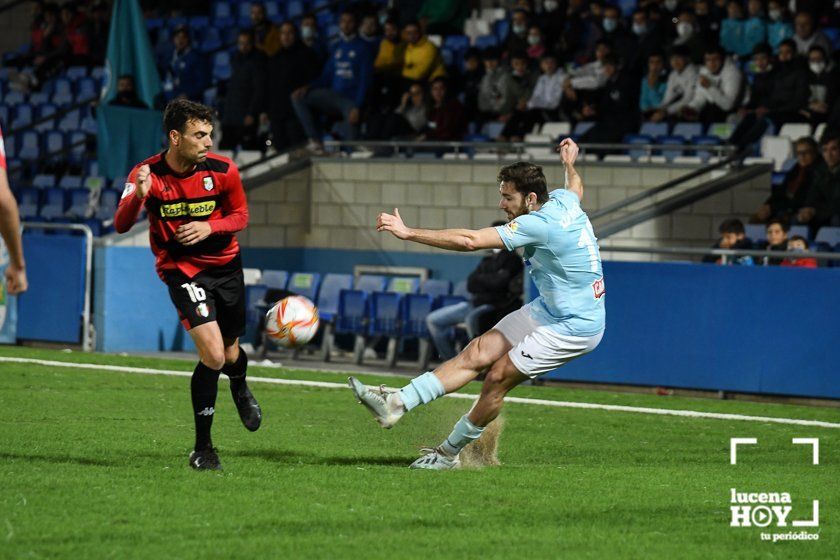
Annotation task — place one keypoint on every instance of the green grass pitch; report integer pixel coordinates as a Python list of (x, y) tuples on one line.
[(94, 465)]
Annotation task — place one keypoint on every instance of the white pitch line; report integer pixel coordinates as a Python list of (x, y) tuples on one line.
[(517, 400)]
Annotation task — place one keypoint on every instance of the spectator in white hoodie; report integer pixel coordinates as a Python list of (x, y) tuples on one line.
[(718, 89), (544, 103), (680, 86)]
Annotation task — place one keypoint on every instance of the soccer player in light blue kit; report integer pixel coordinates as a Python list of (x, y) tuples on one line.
[(565, 322)]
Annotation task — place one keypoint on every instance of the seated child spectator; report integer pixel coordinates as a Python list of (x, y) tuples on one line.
[(654, 85), (680, 86), (732, 236), (799, 244), (777, 239)]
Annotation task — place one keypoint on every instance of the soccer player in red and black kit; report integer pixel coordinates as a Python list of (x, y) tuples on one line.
[(196, 203)]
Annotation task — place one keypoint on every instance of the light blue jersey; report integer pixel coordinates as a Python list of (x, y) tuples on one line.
[(561, 255)]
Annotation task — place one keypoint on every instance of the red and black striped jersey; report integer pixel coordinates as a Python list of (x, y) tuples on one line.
[(211, 192)]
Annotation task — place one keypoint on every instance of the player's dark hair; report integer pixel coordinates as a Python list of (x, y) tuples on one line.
[(180, 111), (732, 225), (527, 177), (782, 224)]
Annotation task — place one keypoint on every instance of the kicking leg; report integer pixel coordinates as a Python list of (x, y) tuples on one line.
[(501, 378), (236, 365), (479, 354), (203, 388)]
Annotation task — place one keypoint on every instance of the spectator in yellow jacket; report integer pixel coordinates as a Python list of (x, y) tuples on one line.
[(387, 70), (423, 61), (266, 34)]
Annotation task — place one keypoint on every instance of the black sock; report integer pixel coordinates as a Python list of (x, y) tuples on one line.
[(236, 370), (203, 387)]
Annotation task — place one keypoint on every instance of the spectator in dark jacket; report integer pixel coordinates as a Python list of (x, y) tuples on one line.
[(732, 236), (613, 32), (777, 240), (186, 73), (822, 82), (127, 93), (616, 108), (786, 199), (341, 88), (778, 92), (244, 95), (291, 69), (517, 39), (492, 286), (470, 82), (447, 119), (822, 208)]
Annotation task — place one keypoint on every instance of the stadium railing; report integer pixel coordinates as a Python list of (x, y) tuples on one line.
[(725, 254)]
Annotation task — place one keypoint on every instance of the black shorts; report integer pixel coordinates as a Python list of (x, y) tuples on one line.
[(215, 294)]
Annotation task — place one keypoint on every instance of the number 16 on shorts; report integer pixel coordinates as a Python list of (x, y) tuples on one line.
[(196, 293)]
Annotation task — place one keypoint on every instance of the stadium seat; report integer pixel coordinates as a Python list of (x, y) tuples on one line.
[(371, 283), (640, 139), (486, 41), (384, 314), (29, 146), (352, 318), (221, 14), (654, 129), (777, 148), (63, 92), (415, 309), (492, 129), (755, 232), (556, 129), (70, 182), (582, 127), (829, 235), (70, 121), (81, 204), (540, 151), (722, 130), (89, 126), (457, 43), (221, 65), (38, 98), (305, 284), (88, 89), (435, 288), (108, 200), (251, 276), (617, 158), (475, 28), (98, 74), (328, 295), (294, 9), (43, 181), (501, 28), (23, 116), (45, 110), (671, 153), (28, 204), (5, 111), (76, 72), (14, 98), (403, 284), (243, 15), (54, 143), (54, 204), (833, 34), (76, 143), (275, 279), (199, 22), (687, 129), (794, 131), (799, 230), (210, 39), (704, 155)]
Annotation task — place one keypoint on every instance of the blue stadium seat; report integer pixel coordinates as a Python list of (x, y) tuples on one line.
[(28, 204), (705, 155), (352, 312), (305, 284), (70, 121), (87, 89), (416, 307), (80, 204), (54, 204), (54, 142), (29, 147), (5, 111), (23, 116), (76, 72), (799, 230), (457, 43), (44, 111), (371, 283), (108, 200), (492, 129), (199, 22), (671, 153), (755, 232), (14, 98), (833, 35), (582, 128), (486, 41), (63, 89), (89, 125), (328, 294), (76, 142), (403, 285), (294, 9), (221, 66), (44, 181), (688, 129), (653, 129), (210, 39), (222, 15), (38, 98), (384, 314), (436, 288), (828, 235), (637, 139), (71, 182), (275, 279), (501, 28), (243, 14)]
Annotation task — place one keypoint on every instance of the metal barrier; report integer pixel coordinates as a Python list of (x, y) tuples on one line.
[(725, 254), (87, 334)]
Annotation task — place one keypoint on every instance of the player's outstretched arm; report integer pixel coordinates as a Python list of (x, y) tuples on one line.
[(452, 239), (16, 281), (568, 154)]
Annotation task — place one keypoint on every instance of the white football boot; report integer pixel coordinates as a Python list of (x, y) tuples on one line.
[(436, 460), (383, 405)]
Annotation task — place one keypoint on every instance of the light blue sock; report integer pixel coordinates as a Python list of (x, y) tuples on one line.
[(422, 390), (463, 433)]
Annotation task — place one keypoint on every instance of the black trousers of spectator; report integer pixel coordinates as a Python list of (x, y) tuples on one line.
[(286, 132), (751, 128), (388, 126), (239, 135), (522, 122), (385, 94)]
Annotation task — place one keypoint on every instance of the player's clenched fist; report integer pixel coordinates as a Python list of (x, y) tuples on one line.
[(393, 223), (142, 180), (568, 151)]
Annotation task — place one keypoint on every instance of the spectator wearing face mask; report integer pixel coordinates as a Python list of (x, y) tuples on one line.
[(778, 92), (536, 43), (822, 81), (806, 35), (679, 88), (613, 32), (688, 36), (779, 27), (496, 95), (707, 22), (517, 39), (615, 108), (647, 40), (127, 94), (552, 19), (311, 37), (796, 246)]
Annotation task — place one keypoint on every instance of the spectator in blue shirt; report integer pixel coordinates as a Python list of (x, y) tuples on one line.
[(653, 84), (341, 88), (780, 27), (187, 73), (755, 27), (732, 30)]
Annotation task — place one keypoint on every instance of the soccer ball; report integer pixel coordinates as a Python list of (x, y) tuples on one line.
[(293, 321)]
